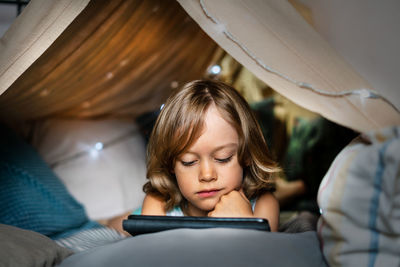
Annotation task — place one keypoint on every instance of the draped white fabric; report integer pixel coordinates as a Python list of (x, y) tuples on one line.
[(41, 23), (365, 33), (274, 42)]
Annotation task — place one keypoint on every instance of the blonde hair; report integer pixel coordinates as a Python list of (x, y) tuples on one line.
[(179, 125)]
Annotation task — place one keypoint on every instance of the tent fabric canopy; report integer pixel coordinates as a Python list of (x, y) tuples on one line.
[(122, 58), (116, 59), (274, 42)]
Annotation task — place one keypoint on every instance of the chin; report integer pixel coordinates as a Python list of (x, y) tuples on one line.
[(207, 207)]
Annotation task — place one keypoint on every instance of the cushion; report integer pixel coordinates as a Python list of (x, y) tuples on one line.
[(206, 247), (31, 195), (106, 179), (20, 247), (359, 199)]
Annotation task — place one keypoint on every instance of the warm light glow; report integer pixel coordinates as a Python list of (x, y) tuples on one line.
[(123, 62), (174, 84), (109, 75), (86, 104), (44, 93)]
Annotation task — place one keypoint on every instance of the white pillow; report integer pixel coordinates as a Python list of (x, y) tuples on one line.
[(360, 203), (107, 181)]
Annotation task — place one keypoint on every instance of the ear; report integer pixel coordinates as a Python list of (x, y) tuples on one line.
[(244, 175), (247, 162), (172, 168)]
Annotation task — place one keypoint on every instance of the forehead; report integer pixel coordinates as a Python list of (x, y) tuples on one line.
[(216, 131)]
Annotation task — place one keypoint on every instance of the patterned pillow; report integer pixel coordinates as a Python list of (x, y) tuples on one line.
[(360, 203), (31, 195)]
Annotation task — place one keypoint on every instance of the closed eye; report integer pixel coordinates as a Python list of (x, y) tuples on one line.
[(188, 163), (224, 160)]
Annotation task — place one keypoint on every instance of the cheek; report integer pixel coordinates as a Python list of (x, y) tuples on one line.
[(235, 176), (183, 180)]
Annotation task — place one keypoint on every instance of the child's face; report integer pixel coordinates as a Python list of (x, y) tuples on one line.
[(210, 167)]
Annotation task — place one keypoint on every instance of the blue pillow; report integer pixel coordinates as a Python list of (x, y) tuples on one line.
[(31, 195)]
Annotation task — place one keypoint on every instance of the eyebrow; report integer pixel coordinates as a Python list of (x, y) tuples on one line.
[(217, 148)]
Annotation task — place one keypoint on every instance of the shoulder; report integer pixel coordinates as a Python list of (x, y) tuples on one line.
[(267, 207), (266, 200), (153, 205)]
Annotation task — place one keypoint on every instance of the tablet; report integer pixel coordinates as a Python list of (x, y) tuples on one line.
[(143, 224)]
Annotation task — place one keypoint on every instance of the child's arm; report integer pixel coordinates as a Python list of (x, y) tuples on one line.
[(153, 205), (235, 204)]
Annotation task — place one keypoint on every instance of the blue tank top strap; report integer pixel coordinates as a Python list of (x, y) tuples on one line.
[(253, 204), (137, 211), (176, 211)]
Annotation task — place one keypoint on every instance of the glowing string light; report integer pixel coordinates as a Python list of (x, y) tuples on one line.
[(216, 69), (98, 146)]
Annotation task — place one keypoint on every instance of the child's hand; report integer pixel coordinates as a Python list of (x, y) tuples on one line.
[(233, 204)]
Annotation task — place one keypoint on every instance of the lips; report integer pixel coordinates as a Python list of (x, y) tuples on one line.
[(208, 193)]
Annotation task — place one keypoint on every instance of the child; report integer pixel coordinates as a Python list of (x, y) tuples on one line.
[(207, 157)]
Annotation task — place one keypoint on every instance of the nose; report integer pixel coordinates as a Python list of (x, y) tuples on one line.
[(207, 172)]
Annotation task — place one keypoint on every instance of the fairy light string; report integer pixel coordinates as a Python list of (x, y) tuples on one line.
[(363, 92)]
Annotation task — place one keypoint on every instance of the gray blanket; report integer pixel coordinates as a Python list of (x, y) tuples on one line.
[(206, 247)]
